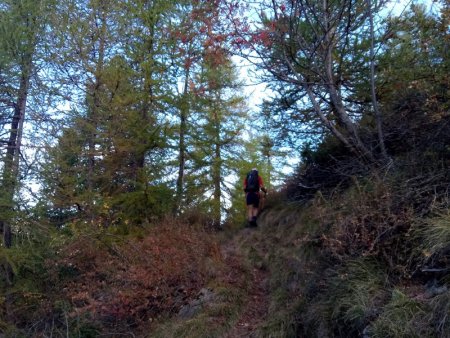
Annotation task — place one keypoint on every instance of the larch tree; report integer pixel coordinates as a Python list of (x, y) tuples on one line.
[(415, 54), (148, 48), (188, 33), (85, 38), (110, 157), (22, 24), (196, 34), (119, 193), (310, 51), (221, 118)]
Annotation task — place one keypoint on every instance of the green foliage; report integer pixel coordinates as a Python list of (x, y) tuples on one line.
[(21, 25), (82, 329), (401, 317), (355, 293), (140, 206), (111, 183), (282, 324), (415, 57), (27, 303)]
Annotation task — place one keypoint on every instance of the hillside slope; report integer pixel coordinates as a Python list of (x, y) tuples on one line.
[(351, 266)]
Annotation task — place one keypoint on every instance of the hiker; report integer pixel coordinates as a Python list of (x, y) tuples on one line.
[(253, 183)]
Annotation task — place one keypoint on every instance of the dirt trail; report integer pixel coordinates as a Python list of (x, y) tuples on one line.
[(256, 304)]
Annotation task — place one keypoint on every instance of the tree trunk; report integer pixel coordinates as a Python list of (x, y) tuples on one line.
[(216, 170), (149, 95), (11, 162), (336, 99), (93, 115), (217, 191), (377, 112), (184, 112)]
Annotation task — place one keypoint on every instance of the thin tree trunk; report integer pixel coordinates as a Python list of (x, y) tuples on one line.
[(149, 96), (217, 179), (11, 161), (351, 138), (336, 100), (378, 115), (217, 163), (94, 112), (327, 123), (184, 111)]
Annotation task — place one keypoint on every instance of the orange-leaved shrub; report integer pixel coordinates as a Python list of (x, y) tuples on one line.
[(121, 282)]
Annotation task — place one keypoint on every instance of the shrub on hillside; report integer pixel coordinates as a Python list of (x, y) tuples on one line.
[(401, 317), (348, 263), (354, 295), (114, 282), (319, 171)]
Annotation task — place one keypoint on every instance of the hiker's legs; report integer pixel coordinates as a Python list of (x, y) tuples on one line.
[(255, 208), (249, 212), (256, 204), (249, 201), (251, 217), (252, 200), (254, 212)]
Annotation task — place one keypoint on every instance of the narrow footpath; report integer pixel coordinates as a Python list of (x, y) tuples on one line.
[(256, 304)]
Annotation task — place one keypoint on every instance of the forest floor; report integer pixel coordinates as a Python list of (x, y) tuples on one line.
[(256, 303)]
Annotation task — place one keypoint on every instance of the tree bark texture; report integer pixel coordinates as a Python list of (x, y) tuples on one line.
[(10, 174)]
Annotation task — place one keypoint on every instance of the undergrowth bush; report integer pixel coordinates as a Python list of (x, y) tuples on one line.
[(437, 234), (88, 281), (338, 263), (401, 317), (26, 307), (434, 234), (127, 281), (355, 294), (440, 314)]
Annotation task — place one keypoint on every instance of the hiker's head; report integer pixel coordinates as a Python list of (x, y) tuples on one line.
[(255, 170)]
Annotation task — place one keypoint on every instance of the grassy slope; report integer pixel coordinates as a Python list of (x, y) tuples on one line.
[(351, 266), (346, 266)]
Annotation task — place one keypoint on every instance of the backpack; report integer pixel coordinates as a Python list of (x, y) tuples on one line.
[(252, 181)]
